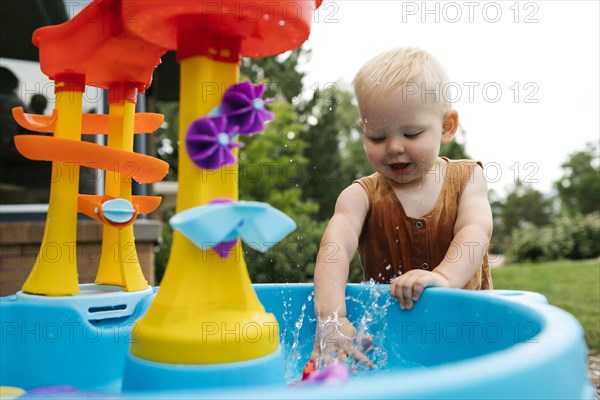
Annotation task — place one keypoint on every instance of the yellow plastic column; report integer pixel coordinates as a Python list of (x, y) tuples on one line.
[(206, 311), (54, 272), (119, 264)]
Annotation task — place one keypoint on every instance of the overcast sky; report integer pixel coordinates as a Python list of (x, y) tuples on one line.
[(526, 74)]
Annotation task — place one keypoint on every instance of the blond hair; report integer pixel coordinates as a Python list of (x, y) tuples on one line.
[(400, 68)]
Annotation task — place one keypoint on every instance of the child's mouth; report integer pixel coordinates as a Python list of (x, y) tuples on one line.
[(400, 168)]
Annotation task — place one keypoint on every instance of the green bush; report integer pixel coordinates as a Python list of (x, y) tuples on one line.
[(291, 260), (585, 231), (572, 237), (528, 244)]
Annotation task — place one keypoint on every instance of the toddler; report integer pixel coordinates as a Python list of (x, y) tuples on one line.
[(420, 220)]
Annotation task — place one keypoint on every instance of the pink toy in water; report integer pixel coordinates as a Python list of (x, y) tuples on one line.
[(334, 374)]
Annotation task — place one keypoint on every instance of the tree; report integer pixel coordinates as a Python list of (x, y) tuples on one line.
[(271, 167), (354, 163), (280, 73), (522, 206), (579, 187), (321, 181), (334, 146)]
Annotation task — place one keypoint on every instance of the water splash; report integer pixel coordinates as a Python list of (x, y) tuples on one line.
[(371, 326), (325, 328), (293, 353)]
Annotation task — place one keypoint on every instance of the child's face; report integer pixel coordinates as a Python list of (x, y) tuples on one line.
[(403, 134)]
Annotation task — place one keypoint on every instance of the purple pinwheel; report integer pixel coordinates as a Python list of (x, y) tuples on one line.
[(244, 108), (210, 141)]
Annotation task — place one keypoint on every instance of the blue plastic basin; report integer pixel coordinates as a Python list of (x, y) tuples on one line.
[(453, 344)]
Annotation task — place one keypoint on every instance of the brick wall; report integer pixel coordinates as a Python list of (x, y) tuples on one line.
[(20, 244)]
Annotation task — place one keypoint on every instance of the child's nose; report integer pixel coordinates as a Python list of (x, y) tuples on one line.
[(396, 145)]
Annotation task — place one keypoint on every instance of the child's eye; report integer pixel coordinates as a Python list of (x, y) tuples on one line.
[(377, 139), (413, 134)]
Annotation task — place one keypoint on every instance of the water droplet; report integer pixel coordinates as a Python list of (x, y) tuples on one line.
[(388, 267)]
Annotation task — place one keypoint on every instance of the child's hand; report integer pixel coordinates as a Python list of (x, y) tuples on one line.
[(338, 340), (407, 288)]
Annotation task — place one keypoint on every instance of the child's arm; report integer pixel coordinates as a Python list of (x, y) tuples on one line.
[(472, 232), (338, 246)]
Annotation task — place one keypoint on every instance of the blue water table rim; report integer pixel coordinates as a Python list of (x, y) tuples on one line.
[(94, 301), (557, 345)]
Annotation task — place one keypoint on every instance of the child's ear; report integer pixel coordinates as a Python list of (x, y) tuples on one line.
[(449, 126)]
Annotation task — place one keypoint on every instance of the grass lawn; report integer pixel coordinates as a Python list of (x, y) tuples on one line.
[(571, 285)]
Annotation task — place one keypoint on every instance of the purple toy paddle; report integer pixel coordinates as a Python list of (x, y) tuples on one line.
[(209, 142), (244, 108)]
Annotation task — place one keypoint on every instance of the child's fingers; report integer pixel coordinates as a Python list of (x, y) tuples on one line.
[(367, 341), (397, 292), (402, 289), (423, 281), (407, 293), (316, 350), (417, 290), (315, 354), (362, 358), (408, 288), (364, 343)]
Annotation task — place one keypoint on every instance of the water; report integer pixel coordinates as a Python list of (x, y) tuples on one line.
[(372, 324), (293, 352), (298, 333)]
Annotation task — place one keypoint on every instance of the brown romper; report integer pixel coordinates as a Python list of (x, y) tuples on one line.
[(392, 243)]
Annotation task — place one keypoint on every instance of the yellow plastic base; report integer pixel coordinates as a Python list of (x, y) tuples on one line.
[(206, 310), (10, 392), (212, 337)]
